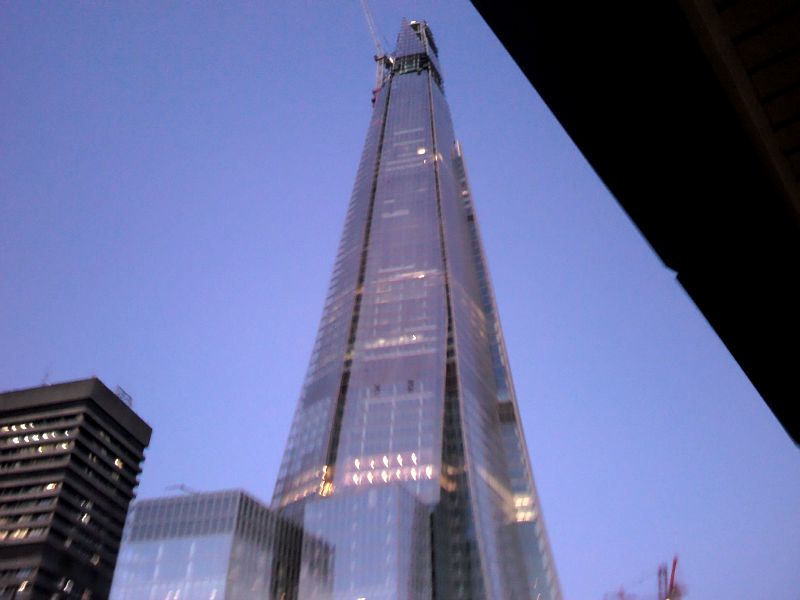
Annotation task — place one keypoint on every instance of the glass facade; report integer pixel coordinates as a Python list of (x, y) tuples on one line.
[(408, 422), (216, 546), (380, 539)]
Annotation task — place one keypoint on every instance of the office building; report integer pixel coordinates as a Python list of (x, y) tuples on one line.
[(70, 457), (406, 453), (213, 546)]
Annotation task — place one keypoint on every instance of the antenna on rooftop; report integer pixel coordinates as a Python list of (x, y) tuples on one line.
[(124, 396), (383, 61)]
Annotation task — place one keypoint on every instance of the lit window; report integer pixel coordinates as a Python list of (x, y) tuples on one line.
[(118, 463)]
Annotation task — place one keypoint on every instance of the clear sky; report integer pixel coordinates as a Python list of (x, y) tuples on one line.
[(173, 182)]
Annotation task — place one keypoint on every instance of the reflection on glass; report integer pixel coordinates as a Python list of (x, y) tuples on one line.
[(215, 546)]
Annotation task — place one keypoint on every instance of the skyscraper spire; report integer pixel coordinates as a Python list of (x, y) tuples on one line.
[(408, 421)]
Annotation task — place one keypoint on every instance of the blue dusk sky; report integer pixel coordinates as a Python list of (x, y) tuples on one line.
[(173, 182)]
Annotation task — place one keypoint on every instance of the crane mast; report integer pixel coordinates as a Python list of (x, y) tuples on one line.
[(383, 61), (667, 588)]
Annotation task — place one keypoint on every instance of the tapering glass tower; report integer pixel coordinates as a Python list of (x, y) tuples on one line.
[(406, 452)]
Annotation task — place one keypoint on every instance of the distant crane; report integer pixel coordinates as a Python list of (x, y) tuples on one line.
[(383, 61), (620, 594), (668, 588)]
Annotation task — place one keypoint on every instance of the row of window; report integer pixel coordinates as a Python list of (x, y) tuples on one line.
[(53, 434), (20, 573), (40, 449), (29, 489), (53, 462), (26, 518), (27, 504), (22, 533), (39, 424)]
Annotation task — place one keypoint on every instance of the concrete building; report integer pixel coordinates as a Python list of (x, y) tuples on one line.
[(70, 457)]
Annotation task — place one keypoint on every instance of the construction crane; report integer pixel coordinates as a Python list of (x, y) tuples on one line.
[(668, 588), (383, 61)]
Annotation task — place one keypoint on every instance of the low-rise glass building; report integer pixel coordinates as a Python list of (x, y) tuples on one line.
[(207, 546)]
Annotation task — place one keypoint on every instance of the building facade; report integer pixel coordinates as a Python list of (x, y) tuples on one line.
[(408, 421), (70, 457), (212, 546)]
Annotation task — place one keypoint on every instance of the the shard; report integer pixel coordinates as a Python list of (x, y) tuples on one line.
[(406, 453)]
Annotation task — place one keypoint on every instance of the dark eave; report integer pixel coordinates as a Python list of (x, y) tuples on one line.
[(689, 111)]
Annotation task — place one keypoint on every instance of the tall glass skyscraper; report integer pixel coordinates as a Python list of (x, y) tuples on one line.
[(406, 453)]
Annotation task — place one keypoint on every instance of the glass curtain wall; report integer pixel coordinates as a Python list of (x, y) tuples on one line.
[(213, 546), (408, 389)]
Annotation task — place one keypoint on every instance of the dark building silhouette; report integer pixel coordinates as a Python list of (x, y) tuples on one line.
[(70, 457), (406, 453)]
